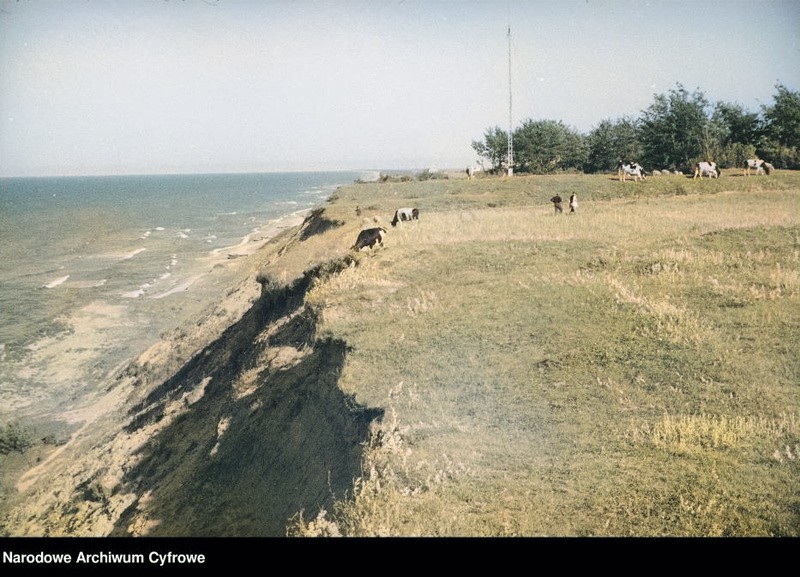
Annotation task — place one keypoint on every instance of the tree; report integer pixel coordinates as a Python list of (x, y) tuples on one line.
[(675, 130), (678, 129), (547, 146), (493, 147), (739, 125), (737, 134), (611, 142), (782, 130)]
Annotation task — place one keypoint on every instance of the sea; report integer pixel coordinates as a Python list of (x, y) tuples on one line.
[(94, 269)]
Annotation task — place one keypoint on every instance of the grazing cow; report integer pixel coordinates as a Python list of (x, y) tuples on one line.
[(633, 169), (708, 169), (760, 166), (405, 214), (369, 237)]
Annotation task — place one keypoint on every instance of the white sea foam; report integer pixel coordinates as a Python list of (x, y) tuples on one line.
[(180, 288), (159, 228), (145, 235), (132, 254), (84, 284), (133, 294), (182, 234), (56, 282)]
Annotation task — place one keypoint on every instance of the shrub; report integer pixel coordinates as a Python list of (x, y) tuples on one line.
[(14, 437), (428, 174)]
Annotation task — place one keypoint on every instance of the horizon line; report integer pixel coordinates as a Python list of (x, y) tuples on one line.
[(213, 173)]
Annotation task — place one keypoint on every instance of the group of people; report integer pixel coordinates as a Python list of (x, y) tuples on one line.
[(573, 203)]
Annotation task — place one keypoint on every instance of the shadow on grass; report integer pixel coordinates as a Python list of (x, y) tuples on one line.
[(316, 223), (243, 464)]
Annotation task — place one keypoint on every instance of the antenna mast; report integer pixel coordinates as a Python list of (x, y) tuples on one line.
[(510, 159)]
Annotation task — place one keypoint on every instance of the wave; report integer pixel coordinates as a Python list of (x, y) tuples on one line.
[(56, 282), (84, 284), (132, 254), (180, 288)]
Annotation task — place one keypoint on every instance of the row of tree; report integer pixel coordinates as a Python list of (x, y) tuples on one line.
[(677, 130)]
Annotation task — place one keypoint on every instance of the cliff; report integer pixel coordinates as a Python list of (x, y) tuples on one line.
[(226, 427)]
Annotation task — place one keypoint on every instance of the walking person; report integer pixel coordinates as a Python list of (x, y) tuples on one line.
[(556, 200), (573, 203)]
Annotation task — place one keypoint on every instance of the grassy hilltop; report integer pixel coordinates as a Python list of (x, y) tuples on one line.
[(628, 370), (492, 369)]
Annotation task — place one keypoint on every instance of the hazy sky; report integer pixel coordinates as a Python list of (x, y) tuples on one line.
[(154, 86)]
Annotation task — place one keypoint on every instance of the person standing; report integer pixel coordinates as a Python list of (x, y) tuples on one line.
[(573, 203), (556, 200)]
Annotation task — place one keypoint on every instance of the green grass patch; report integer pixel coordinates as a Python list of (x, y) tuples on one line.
[(628, 370)]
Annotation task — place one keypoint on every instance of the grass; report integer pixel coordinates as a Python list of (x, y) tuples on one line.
[(629, 370), (493, 370)]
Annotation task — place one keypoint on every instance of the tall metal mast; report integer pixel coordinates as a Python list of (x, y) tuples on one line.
[(510, 159)]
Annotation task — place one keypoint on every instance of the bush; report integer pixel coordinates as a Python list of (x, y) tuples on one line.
[(428, 174), (13, 437), (734, 155), (785, 157)]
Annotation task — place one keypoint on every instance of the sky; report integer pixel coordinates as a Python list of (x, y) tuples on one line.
[(90, 87)]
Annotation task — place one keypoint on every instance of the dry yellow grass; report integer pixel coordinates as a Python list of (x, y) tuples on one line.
[(613, 372)]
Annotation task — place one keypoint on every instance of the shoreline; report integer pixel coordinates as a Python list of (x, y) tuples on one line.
[(92, 419), (94, 333), (99, 448)]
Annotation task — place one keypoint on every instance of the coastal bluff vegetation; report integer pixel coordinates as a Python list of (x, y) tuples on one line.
[(492, 369)]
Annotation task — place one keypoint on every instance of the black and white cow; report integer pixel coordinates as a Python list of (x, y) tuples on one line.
[(760, 166), (369, 237), (708, 169), (633, 169), (405, 214)]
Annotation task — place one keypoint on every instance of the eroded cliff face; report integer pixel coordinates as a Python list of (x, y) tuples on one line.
[(246, 433)]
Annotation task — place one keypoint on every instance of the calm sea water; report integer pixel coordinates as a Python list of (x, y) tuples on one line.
[(124, 249)]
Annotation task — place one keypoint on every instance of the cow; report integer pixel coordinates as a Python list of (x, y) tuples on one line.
[(633, 169), (369, 237), (708, 169), (405, 214), (760, 166)]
